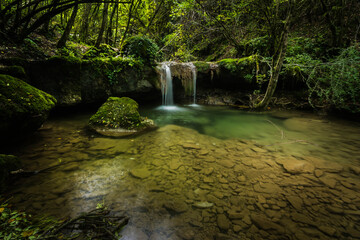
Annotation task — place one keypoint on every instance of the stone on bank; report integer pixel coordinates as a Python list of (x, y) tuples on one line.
[(119, 117), (24, 108)]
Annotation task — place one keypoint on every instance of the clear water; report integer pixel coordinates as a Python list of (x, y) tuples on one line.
[(205, 173)]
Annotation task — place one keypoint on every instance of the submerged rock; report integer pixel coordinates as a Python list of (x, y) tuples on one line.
[(203, 205), (295, 166), (176, 206), (223, 222), (24, 108), (140, 173), (119, 117)]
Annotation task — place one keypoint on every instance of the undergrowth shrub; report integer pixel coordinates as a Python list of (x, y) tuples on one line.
[(141, 48), (337, 83), (104, 51)]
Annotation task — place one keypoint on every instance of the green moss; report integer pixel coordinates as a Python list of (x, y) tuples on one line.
[(14, 71), (202, 66), (18, 96), (117, 113), (8, 163), (235, 65), (70, 60), (23, 107)]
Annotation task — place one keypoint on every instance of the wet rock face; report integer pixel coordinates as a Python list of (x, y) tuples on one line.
[(24, 108), (74, 81), (119, 117)]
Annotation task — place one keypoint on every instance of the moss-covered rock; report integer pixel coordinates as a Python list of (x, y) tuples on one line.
[(8, 163), (202, 66), (119, 117), (14, 71), (24, 108)]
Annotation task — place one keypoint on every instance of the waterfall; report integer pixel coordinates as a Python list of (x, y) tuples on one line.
[(193, 71), (166, 85)]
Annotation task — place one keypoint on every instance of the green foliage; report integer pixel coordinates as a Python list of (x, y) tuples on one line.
[(257, 45), (312, 47), (337, 83), (141, 48), (113, 68), (117, 113), (75, 50), (16, 225), (30, 43), (104, 51), (66, 52), (298, 66)]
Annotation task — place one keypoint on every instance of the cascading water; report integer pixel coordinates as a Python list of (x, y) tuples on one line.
[(193, 71), (166, 85)]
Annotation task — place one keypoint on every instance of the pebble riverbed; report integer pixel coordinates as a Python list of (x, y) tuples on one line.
[(175, 183)]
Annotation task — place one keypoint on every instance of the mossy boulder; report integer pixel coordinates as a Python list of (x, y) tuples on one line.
[(119, 117), (24, 108), (14, 71), (8, 163)]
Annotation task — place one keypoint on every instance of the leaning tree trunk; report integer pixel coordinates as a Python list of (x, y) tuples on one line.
[(69, 25), (277, 62), (103, 25)]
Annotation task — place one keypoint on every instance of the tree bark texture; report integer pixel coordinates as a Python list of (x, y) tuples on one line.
[(103, 25), (62, 42)]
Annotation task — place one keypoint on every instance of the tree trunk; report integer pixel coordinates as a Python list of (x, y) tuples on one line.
[(117, 24), (276, 68), (69, 25), (332, 28), (84, 29), (103, 25), (128, 23), (276, 65), (109, 33)]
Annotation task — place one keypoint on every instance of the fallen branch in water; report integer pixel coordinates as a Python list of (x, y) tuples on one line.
[(281, 131), (96, 224), (293, 141), (24, 173)]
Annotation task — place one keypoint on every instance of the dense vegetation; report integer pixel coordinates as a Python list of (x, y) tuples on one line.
[(312, 40)]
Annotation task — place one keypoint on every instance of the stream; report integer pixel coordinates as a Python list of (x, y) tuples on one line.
[(205, 173)]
